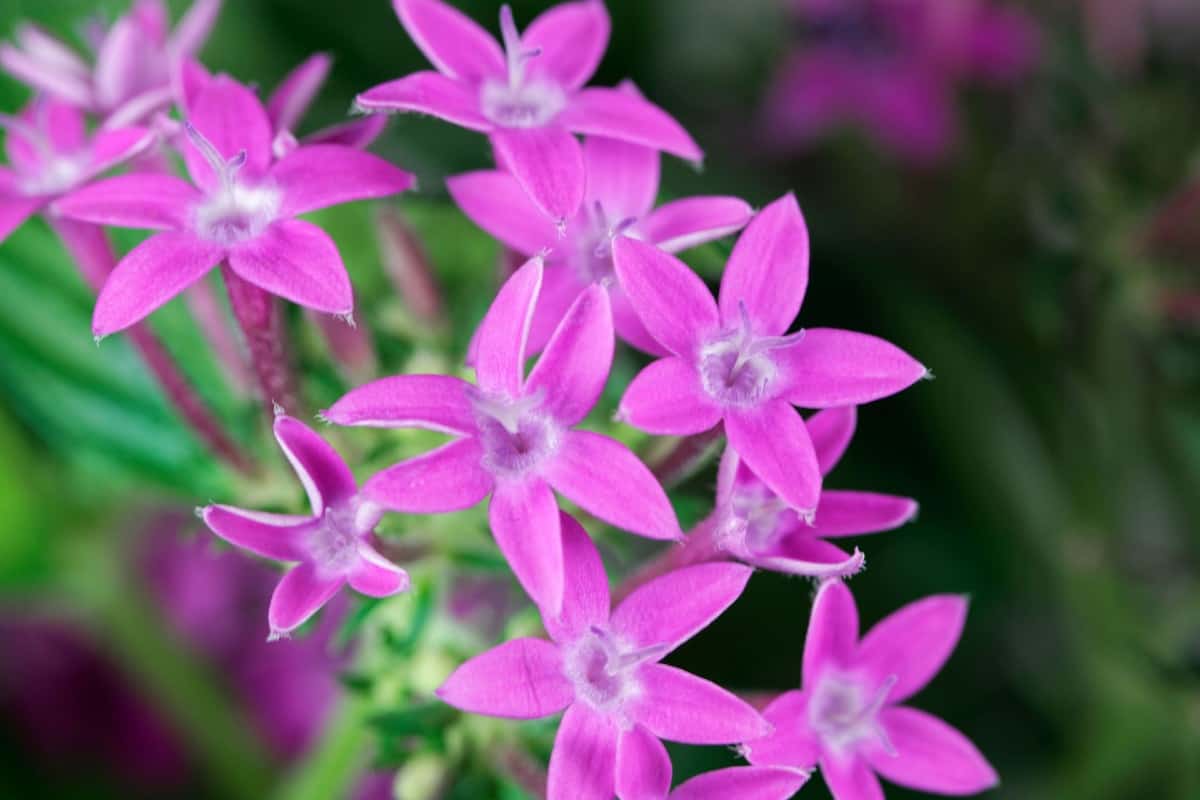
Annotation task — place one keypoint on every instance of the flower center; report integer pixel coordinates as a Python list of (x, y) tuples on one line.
[(736, 367), (845, 713), (519, 103), (515, 435), (604, 670), (592, 256), (753, 522), (333, 545), (234, 211), (56, 172)]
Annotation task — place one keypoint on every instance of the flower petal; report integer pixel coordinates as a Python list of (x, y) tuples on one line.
[(842, 513), (297, 261), (358, 133), (434, 402), (832, 631), (274, 536), (194, 27), (750, 783), (14, 210), (681, 707), (643, 766), (628, 325), (296, 91), (299, 595), (585, 593), (500, 340), (768, 269), (583, 763), (804, 555), (321, 175), (629, 117), (139, 200), (851, 779), (326, 478), (621, 177), (831, 431), (791, 744), (520, 679), (119, 62), (774, 443), (573, 369), (831, 367), (673, 303), (548, 163), (59, 83), (496, 202), (570, 39), (111, 147), (608, 481), (150, 275), (913, 643), (427, 93), (692, 221), (525, 522), (666, 399), (449, 478), (375, 576), (451, 40), (232, 119), (561, 287), (930, 756), (673, 608)]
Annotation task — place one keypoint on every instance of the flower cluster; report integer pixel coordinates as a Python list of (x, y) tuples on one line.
[(601, 265)]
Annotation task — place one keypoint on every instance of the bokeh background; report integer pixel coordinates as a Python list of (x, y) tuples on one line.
[(1013, 208)]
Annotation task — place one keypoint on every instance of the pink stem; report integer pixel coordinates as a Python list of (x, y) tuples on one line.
[(700, 547), (407, 265), (260, 317), (350, 345), (687, 456), (206, 308)]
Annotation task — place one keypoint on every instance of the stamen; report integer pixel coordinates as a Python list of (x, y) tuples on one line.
[(225, 169), (507, 412), (872, 710), (514, 55)]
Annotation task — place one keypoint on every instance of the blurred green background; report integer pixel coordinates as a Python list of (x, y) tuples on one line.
[(1056, 456)]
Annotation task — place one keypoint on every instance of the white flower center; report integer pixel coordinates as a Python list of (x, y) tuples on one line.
[(518, 102), (591, 254), (736, 367), (604, 670), (333, 545), (844, 712), (516, 436), (753, 523), (234, 211)]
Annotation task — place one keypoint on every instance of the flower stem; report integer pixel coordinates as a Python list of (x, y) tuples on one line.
[(337, 761), (261, 320), (699, 547), (685, 457), (205, 306)]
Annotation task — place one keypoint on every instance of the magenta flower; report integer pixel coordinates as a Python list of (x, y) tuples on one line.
[(748, 783), (622, 184), (847, 717), (528, 96), (136, 60), (332, 545), (731, 360), (603, 669), (755, 526), (515, 436), (241, 211)]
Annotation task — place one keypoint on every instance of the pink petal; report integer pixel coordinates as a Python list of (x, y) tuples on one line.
[(629, 117), (791, 744), (673, 608), (139, 200), (832, 631), (608, 481), (585, 594), (561, 287), (525, 522), (774, 443), (571, 39), (297, 261), (749, 783), (666, 399), (60, 83), (375, 576), (801, 554), (152, 17), (643, 766), (138, 108), (496, 202), (913, 643), (500, 340), (277, 536), (321, 175), (120, 63), (842, 513), (851, 779), (831, 431), (621, 177), (449, 478), (110, 148), (14, 210), (50, 51), (153, 272), (768, 269), (427, 93), (548, 163), (677, 706), (831, 367), (451, 40), (295, 93), (683, 224), (520, 679), (232, 119), (673, 303), (584, 761), (301, 592), (326, 478), (359, 133), (434, 402), (628, 325), (930, 756), (194, 27), (573, 369)]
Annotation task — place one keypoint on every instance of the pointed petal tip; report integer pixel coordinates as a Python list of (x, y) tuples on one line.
[(276, 635)]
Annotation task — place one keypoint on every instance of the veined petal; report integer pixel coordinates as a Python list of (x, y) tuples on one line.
[(520, 679), (232, 119), (842, 513), (831, 367), (832, 631), (606, 479), (913, 643), (500, 340), (375, 576), (525, 522), (573, 369), (930, 756), (358, 133), (666, 399), (768, 270), (150, 275), (14, 210), (449, 478), (433, 402), (584, 761), (451, 40), (326, 478), (680, 707), (774, 443), (548, 163), (496, 202), (673, 303), (139, 200), (850, 779), (321, 175), (643, 766), (682, 224), (295, 93), (297, 261), (570, 39), (276, 536), (629, 117), (427, 93), (673, 608), (301, 592), (750, 783), (621, 177), (791, 744), (831, 431)]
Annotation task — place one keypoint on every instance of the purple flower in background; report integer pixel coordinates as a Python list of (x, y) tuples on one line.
[(747, 783), (622, 184), (529, 96), (603, 669), (515, 436), (754, 525), (732, 361), (241, 210), (137, 58), (847, 716), (333, 545)]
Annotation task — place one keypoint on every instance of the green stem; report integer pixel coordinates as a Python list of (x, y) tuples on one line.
[(338, 759)]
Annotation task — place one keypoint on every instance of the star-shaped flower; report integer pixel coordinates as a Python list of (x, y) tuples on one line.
[(333, 545), (603, 669), (527, 97), (847, 716), (516, 438), (732, 361)]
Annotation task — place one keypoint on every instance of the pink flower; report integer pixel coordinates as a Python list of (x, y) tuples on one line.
[(847, 718), (746, 783), (603, 669), (241, 210), (754, 525), (731, 360), (622, 184), (136, 60), (332, 545), (529, 96), (515, 436)]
